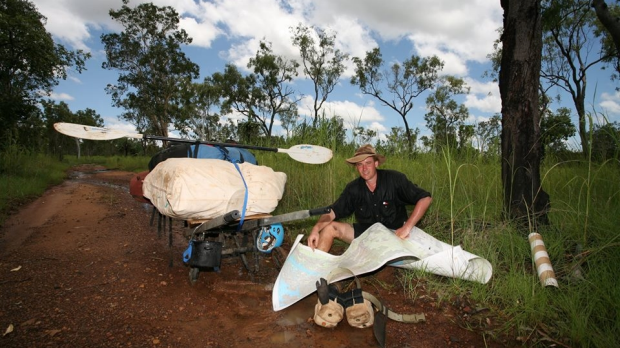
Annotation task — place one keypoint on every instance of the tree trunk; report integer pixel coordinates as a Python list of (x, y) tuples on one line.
[(609, 21), (524, 199)]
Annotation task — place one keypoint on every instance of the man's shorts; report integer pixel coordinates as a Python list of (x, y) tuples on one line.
[(358, 229)]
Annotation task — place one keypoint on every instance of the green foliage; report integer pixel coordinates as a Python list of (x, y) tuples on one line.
[(569, 51), (25, 175), (201, 121), (60, 144), (488, 135), (31, 64), (323, 64), (261, 95), (445, 117), (607, 30), (153, 70), (394, 144), (403, 82), (271, 92), (328, 132), (606, 142), (555, 129)]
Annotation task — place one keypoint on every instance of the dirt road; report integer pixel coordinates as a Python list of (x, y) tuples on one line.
[(82, 267)]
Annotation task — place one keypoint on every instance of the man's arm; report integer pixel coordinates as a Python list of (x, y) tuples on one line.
[(416, 215), (324, 220)]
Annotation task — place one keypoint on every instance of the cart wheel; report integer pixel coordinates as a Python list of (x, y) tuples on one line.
[(193, 275)]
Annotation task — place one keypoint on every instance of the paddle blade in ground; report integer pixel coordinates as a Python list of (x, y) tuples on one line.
[(92, 133), (311, 154)]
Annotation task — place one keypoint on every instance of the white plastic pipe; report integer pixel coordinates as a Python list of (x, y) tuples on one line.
[(542, 261)]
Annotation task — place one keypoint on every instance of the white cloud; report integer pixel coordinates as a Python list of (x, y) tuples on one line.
[(60, 96), (483, 96), (610, 102), (202, 33), (113, 122), (74, 79), (465, 28), (377, 127), (459, 32), (353, 114)]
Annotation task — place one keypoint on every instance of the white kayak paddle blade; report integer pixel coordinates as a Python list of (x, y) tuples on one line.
[(92, 133), (311, 154)]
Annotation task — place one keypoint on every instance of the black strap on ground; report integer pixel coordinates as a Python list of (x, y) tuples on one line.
[(383, 313)]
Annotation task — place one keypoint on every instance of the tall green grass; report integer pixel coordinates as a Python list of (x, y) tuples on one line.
[(24, 176), (583, 240)]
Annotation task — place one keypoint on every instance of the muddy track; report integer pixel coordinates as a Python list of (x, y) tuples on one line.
[(82, 267)]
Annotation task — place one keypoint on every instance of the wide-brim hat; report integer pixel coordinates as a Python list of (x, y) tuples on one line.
[(364, 152)]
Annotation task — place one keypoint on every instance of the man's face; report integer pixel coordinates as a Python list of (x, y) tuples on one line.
[(367, 168)]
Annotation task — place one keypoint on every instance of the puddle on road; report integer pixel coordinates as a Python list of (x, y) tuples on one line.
[(87, 177), (298, 313), (294, 315), (283, 337)]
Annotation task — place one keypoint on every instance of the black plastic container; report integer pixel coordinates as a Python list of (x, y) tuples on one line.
[(206, 254)]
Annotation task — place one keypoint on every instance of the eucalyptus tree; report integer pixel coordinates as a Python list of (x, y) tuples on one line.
[(570, 50), (445, 116), (264, 93), (153, 70), (488, 134), (323, 64), (398, 86), (31, 63), (202, 121), (273, 75), (519, 76)]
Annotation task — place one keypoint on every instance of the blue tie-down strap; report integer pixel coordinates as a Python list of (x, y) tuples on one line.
[(187, 254), (245, 199)]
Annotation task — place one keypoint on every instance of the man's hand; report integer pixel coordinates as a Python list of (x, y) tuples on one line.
[(403, 232), (416, 215), (324, 220), (313, 240)]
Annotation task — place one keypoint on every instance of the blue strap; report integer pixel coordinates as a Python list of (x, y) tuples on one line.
[(188, 252), (245, 199)]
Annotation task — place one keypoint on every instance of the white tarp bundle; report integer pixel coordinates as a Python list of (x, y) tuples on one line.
[(370, 251), (190, 188)]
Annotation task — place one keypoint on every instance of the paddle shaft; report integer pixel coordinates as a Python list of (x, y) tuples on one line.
[(303, 153), (193, 141)]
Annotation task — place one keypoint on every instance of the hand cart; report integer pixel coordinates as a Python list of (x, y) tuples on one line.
[(226, 236)]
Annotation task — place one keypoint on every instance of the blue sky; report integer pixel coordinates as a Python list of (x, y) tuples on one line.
[(461, 33)]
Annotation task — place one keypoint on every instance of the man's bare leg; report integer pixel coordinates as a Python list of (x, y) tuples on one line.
[(335, 230)]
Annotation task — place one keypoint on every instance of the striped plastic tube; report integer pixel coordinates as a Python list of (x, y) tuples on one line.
[(542, 261)]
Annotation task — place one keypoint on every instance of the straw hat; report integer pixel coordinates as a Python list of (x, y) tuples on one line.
[(364, 152)]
